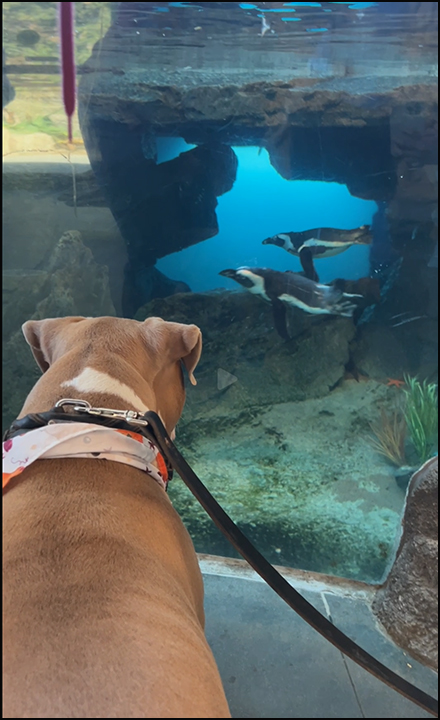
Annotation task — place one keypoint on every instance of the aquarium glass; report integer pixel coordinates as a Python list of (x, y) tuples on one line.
[(267, 171)]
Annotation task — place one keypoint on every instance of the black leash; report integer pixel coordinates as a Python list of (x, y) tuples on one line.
[(150, 421)]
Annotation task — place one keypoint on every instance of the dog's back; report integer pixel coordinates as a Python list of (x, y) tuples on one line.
[(103, 598)]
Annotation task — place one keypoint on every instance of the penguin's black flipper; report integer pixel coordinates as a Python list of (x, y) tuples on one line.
[(306, 258), (279, 318)]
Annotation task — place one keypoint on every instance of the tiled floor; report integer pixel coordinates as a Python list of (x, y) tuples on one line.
[(274, 665)]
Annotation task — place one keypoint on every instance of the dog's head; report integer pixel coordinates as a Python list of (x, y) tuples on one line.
[(108, 356)]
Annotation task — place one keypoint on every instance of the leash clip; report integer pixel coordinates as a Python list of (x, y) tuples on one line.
[(76, 405), (129, 416)]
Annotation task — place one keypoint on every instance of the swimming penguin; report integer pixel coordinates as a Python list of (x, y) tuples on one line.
[(319, 243), (289, 288)]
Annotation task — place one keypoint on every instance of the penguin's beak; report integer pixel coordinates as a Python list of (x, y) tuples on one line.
[(229, 274), (274, 240)]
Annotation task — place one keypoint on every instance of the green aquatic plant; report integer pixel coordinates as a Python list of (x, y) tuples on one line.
[(421, 414), (390, 436)]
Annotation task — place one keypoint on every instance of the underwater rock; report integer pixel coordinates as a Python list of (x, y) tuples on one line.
[(20, 373), (414, 133), (403, 475), (78, 285), (352, 127), (87, 191), (22, 291), (416, 196), (142, 283), (401, 334), (72, 283), (407, 603), (158, 208), (414, 145), (298, 478), (239, 337), (416, 286), (359, 157), (367, 287), (382, 351), (325, 116), (130, 78)]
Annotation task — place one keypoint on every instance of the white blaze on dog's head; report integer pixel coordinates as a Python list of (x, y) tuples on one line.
[(136, 363)]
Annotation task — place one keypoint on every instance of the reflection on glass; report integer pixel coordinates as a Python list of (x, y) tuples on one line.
[(295, 140)]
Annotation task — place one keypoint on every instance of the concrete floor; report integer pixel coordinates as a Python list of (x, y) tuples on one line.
[(274, 665)]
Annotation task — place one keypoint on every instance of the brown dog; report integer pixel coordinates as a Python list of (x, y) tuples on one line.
[(103, 595)]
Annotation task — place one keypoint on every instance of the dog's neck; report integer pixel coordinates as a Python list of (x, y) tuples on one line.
[(95, 382), (97, 386), (82, 440)]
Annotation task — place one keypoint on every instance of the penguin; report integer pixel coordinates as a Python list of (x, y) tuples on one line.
[(319, 243), (289, 288)]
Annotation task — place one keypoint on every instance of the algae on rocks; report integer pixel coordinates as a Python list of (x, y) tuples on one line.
[(239, 338), (71, 283)]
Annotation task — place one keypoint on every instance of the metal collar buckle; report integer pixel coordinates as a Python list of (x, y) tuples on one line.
[(82, 406)]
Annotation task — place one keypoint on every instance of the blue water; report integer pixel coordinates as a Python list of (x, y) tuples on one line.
[(260, 204)]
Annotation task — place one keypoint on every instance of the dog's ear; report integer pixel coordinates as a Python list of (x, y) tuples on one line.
[(42, 336), (175, 340), (192, 338)]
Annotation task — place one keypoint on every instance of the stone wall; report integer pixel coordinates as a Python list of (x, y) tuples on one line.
[(407, 603)]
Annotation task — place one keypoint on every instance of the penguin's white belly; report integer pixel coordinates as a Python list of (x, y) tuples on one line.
[(328, 249)]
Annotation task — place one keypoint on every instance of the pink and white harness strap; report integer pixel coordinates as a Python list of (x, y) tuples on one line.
[(82, 440)]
